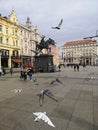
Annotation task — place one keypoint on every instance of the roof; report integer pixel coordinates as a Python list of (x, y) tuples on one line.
[(79, 42)]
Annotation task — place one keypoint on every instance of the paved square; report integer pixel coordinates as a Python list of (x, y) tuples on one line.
[(76, 109)]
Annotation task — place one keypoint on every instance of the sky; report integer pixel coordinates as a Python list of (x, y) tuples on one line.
[(80, 17)]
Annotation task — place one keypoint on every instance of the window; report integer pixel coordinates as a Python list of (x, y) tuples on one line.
[(0, 40), (21, 32), (13, 53), (7, 41), (6, 30), (13, 43), (7, 53), (0, 28), (16, 43), (15, 32)]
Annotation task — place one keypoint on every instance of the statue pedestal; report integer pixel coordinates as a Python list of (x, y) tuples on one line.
[(44, 63)]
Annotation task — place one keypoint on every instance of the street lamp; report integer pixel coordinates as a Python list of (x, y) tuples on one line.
[(96, 32)]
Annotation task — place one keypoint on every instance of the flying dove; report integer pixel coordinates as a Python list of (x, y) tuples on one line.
[(47, 93), (44, 117), (59, 25)]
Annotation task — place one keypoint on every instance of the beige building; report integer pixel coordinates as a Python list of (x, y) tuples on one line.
[(29, 38), (81, 51)]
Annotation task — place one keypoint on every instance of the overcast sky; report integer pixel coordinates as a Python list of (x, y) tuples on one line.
[(80, 17)]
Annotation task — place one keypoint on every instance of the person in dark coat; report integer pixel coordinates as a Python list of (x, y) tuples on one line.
[(74, 67), (4, 71), (11, 71), (78, 67), (59, 67), (25, 74), (30, 73)]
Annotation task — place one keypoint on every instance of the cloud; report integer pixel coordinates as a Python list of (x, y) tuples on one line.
[(79, 16)]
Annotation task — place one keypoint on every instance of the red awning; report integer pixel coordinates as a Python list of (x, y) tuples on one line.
[(17, 60), (29, 64)]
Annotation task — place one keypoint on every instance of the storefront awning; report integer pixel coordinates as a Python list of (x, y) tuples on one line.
[(29, 64), (17, 60)]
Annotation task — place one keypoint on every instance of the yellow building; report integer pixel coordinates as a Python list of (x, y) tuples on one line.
[(9, 41)]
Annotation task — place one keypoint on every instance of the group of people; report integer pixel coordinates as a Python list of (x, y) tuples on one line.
[(24, 72)]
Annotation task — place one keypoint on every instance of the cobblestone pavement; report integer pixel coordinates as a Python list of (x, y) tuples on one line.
[(76, 109)]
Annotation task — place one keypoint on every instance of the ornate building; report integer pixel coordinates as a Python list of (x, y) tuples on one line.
[(81, 51), (29, 38), (17, 41), (9, 41)]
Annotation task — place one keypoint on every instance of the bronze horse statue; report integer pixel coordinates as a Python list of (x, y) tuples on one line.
[(41, 45), (44, 44)]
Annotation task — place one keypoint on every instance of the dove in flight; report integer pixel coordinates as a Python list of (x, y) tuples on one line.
[(56, 80), (59, 25), (44, 117), (47, 93)]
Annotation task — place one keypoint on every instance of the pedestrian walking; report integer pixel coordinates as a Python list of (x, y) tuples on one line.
[(74, 67), (4, 71), (59, 67), (0, 71), (84, 65), (21, 73), (78, 67), (11, 71), (30, 73)]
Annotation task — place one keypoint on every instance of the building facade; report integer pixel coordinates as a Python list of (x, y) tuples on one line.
[(55, 51), (81, 51), (29, 38), (17, 42), (9, 41)]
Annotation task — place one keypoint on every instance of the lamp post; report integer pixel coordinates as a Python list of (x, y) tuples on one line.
[(96, 32)]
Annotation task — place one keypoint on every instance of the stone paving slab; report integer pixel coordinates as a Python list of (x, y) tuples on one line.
[(79, 124)]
